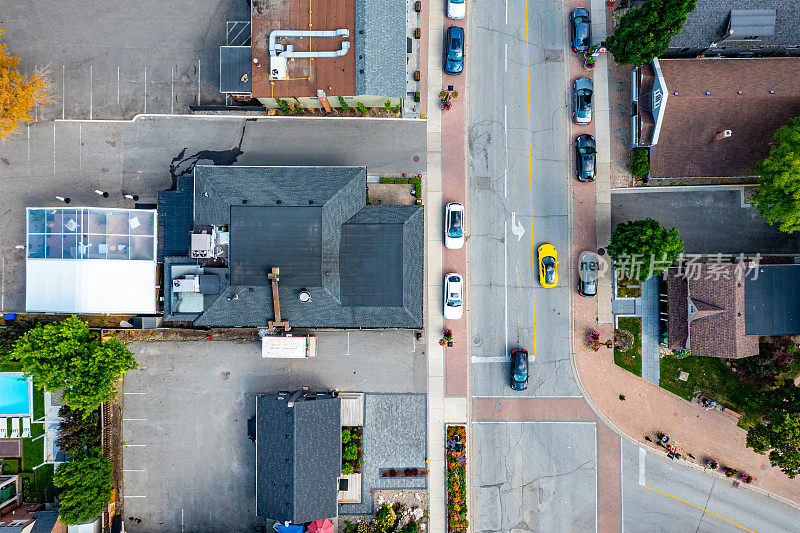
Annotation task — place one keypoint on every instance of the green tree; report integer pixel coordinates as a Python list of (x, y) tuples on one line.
[(86, 486), (645, 32), (778, 197), (781, 438), (67, 355), (643, 248)]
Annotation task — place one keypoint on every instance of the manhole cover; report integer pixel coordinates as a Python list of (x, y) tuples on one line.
[(524, 331), (497, 405), (416, 159), (477, 341)]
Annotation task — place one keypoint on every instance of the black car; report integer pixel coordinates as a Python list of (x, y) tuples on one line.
[(588, 272), (585, 158), (519, 369), (454, 50), (581, 26)]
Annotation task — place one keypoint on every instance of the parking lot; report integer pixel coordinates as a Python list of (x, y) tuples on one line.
[(116, 59), (188, 463)]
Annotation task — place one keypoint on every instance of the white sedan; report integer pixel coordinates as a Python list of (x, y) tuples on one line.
[(453, 296), (453, 226), (456, 9)]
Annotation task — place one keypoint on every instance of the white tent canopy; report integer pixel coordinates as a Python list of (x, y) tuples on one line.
[(91, 260)]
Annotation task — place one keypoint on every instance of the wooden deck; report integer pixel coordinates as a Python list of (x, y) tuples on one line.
[(352, 408), (353, 492), (335, 76)]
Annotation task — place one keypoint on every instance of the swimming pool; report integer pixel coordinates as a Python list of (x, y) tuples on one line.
[(16, 393)]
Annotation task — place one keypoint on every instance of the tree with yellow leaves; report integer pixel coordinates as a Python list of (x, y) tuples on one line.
[(19, 93)]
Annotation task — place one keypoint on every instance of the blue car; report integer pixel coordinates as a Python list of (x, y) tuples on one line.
[(454, 50), (519, 369)]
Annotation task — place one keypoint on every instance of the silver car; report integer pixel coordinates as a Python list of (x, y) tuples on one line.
[(582, 93), (588, 273)]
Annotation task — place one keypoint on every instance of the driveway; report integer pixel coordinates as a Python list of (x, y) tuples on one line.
[(142, 157), (710, 220), (115, 59), (187, 460)]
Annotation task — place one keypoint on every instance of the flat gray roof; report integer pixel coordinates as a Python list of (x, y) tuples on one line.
[(234, 69), (772, 301)]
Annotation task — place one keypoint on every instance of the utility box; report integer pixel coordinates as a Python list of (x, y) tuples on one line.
[(288, 346)]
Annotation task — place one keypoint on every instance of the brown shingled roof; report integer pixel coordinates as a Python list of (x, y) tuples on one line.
[(715, 322), (687, 146)]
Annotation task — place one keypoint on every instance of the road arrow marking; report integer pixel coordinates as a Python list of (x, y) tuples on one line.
[(516, 229)]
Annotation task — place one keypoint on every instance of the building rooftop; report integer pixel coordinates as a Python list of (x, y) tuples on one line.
[(770, 22), (772, 301), (704, 100), (298, 456), (708, 311), (360, 264)]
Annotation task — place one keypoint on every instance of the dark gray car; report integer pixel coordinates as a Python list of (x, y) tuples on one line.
[(588, 272), (581, 26), (585, 158)]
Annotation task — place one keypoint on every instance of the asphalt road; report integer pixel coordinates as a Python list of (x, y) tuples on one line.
[(661, 495), (73, 159), (500, 189)]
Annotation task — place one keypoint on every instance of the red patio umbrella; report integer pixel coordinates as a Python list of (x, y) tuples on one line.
[(320, 526)]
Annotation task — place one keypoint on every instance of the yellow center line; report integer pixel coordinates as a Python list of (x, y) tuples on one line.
[(530, 183), (698, 507)]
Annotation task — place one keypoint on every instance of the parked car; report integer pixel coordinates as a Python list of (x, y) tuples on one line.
[(456, 9), (519, 369), (454, 50), (581, 25), (548, 266), (453, 226), (582, 101), (585, 158), (588, 272), (453, 296)]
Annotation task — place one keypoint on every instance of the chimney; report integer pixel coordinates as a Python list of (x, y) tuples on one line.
[(723, 135)]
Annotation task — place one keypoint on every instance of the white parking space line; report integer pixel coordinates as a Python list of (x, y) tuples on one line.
[(621, 494), (80, 145), (132, 393), (117, 85), (491, 359), (134, 419), (91, 91), (136, 496), (54, 148), (29, 148), (133, 470), (505, 281), (145, 89), (198, 82), (172, 89), (500, 397), (533, 422), (348, 343), (642, 455), (135, 445), (63, 96)]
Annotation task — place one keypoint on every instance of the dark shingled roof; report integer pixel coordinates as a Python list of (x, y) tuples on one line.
[(298, 457), (772, 301), (277, 208), (45, 521), (687, 146), (709, 307), (709, 23)]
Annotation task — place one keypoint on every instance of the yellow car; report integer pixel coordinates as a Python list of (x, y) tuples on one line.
[(548, 266)]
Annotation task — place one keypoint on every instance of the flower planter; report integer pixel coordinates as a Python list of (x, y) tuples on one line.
[(403, 472), (417, 33), (417, 75), (418, 6), (456, 474)]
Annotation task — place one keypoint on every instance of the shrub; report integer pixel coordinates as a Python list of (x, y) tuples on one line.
[(346, 436), (343, 103), (416, 96), (387, 180), (283, 107), (402, 181), (366, 527), (411, 527), (387, 105), (350, 452), (396, 109), (363, 109), (86, 483), (415, 181), (385, 518), (418, 190), (78, 431), (10, 466), (347, 468), (640, 161), (349, 527)]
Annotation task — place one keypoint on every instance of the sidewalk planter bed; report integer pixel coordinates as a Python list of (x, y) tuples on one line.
[(640, 161), (631, 358), (352, 455), (628, 288), (456, 456), (404, 472)]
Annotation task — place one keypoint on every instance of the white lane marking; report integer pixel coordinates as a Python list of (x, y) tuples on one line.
[(54, 148), (532, 397), (91, 91), (516, 227), (413, 344), (29, 149), (145, 89), (172, 99), (348, 343), (642, 455), (136, 496), (505, 144), (492, 359), (133, 419), (63, 95), (198, 82), (132, 470), (506, 11), (135, 445), (505, 280), (506, 57), (117, 85), (505, 183), (130, 393), (182, 521), (80, 143), (621, 495)]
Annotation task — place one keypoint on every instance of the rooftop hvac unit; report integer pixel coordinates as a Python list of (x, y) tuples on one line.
[(190, 283), (202, 245)]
